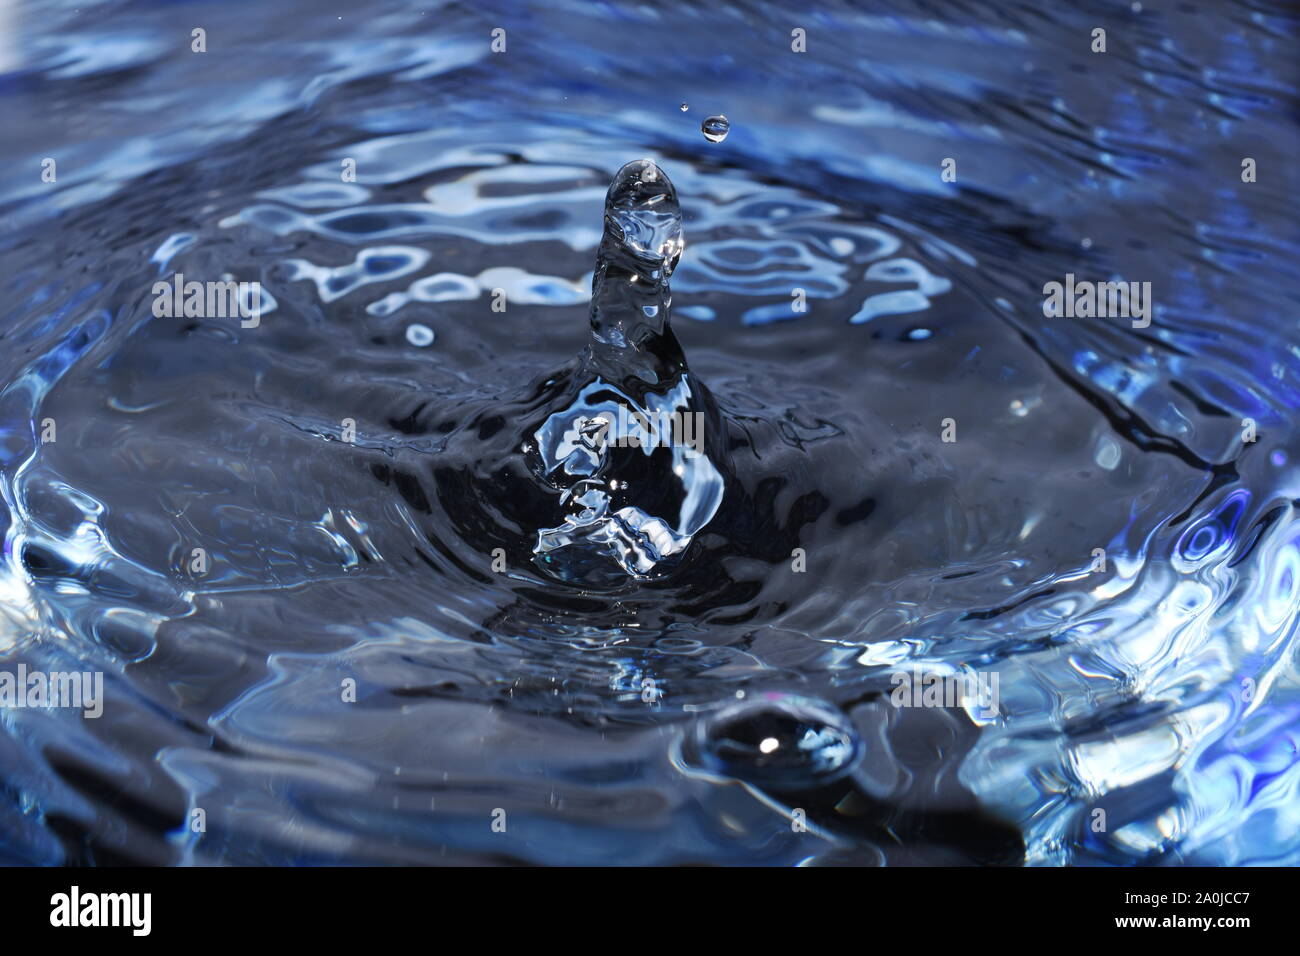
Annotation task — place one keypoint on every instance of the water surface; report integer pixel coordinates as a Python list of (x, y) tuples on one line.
[(355, 465)]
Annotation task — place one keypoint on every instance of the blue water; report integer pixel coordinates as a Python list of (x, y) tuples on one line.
[(427, 628)]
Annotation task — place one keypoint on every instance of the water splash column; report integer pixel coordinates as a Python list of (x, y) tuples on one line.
[(632, 492), (630, 298)]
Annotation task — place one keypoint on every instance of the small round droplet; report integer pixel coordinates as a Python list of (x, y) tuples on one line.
[(778, 740), (715, 128), (419, 335), (685, 107)]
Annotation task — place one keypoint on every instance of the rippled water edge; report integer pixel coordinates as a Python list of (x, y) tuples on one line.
[(1125, 696)]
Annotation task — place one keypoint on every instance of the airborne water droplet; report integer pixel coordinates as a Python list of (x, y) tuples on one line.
[(715, 128), (685, 107)]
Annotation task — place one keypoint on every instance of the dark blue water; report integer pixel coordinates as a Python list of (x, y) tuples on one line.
[(433, 622)]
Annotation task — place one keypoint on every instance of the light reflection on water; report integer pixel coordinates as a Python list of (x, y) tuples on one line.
[(1160, 689)]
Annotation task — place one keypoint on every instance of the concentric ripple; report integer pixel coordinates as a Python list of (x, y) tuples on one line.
[(389, 561)]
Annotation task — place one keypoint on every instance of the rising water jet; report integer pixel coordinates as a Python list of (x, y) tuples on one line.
[(634, 486)]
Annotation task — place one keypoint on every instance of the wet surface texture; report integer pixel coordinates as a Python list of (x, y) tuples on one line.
[(398, 493)]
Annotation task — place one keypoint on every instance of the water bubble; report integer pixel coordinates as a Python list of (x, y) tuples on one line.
[(778, 740), (715, 128), (419, 335), (685, 107)]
